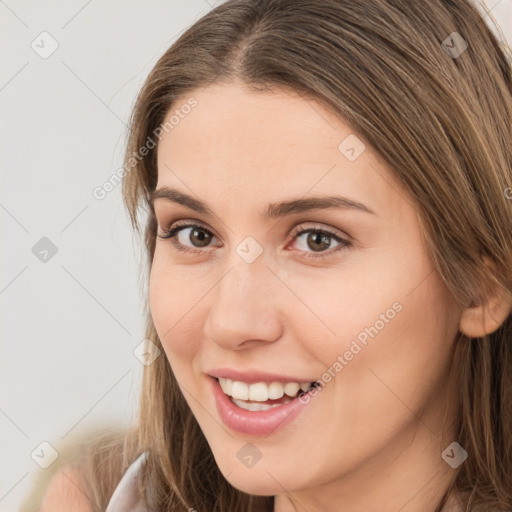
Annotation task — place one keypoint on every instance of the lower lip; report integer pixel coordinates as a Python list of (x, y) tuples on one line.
[(258, 423)]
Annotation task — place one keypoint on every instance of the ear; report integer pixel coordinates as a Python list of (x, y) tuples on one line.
[(486, 317)]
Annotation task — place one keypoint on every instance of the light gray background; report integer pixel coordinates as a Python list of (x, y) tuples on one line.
[(70, 324)]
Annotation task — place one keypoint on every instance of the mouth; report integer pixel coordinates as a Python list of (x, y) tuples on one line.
[(261, 396), (260, 408)]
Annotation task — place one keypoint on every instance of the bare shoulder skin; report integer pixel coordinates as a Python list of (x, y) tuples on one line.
[(65, 493)]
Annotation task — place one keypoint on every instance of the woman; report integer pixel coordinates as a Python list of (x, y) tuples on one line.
[(329, 239)]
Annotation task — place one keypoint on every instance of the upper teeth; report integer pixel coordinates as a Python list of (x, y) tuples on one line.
[(260, 391)]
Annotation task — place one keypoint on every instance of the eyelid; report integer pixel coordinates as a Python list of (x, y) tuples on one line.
[(316, 226), (188, 223), (302, 226)]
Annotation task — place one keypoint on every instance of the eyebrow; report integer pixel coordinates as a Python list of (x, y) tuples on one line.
[(273, 210)]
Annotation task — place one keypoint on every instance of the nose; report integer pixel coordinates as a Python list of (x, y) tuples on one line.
[(244, 307)]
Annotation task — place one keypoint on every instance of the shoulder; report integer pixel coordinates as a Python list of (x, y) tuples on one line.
[(91, 474), (66, 493), (88, 470)]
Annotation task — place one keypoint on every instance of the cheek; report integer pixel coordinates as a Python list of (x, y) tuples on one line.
[(405, 360), (338, 305), (388, 312), (174, 306)]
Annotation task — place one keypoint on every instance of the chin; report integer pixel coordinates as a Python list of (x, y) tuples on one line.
[(257, 484)]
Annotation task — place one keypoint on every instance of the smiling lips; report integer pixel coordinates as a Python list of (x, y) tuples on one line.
[(261, 391), (260, 396), (262, 415), (255, 402)]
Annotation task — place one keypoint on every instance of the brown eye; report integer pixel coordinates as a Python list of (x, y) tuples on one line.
[(192, 238), (197, 237), (318, 241)]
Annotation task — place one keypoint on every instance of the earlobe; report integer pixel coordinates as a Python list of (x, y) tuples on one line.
[(485, 318)]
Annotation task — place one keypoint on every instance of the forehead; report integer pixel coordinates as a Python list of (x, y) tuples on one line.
[(245, 146)]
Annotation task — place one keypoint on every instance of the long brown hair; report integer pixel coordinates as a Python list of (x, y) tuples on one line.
[(443, 123)]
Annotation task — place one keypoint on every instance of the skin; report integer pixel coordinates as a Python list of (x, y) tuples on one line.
[(372, 438)]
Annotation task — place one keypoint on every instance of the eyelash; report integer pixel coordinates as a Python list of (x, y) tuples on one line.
[(170, 234)]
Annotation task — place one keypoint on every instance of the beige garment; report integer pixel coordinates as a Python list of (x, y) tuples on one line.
[(125, 497)]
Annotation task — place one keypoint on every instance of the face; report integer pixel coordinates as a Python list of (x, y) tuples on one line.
[(264, 298)]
